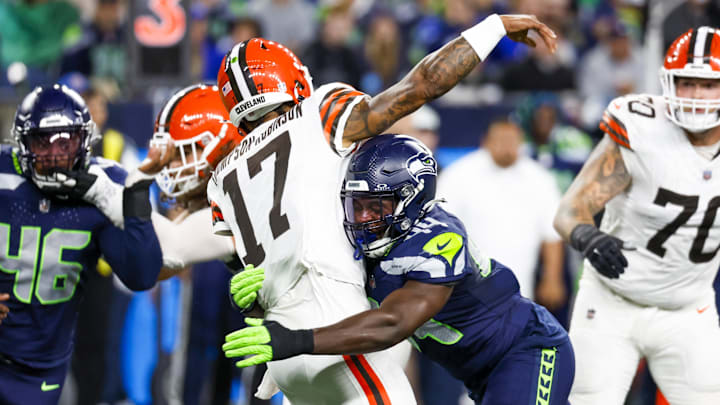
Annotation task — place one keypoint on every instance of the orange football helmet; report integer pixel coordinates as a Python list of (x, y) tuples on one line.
[(695, 53), (197, 122), (258, 75)]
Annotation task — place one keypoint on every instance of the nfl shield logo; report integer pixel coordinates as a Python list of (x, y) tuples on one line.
[(707, 174), (44, 206), (590, 313)]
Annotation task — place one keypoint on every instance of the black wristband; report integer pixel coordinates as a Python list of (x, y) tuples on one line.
[(581, 236), (287, 342), (136, 200)]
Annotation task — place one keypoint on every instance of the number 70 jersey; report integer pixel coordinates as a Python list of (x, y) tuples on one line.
[(278, 194), (669, 211)]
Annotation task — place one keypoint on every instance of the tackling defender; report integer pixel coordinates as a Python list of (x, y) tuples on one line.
[(459, 307)]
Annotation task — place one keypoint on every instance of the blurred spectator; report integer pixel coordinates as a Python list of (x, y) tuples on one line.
[(290, 22), (101, 50), (33, 32), (552, 142), (507, 202), (114, 144), (690, 14), (330, 58), (613, 68), (542, 70), (244, 28), (239, 30), (384, 54), (433, 31), (201, 45)]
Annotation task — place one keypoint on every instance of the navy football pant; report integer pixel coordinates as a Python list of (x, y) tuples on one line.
[(20, 385), (531, 376)]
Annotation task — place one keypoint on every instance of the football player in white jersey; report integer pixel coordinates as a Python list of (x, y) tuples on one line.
[(196, 125), (277, 194), (646, 290)]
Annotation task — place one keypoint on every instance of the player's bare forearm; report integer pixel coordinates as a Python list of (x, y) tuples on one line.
[(400, 314), (432, 77), (603, 176)]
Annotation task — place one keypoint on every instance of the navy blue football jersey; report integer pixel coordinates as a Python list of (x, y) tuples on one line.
[(46, 247), (485, 315)]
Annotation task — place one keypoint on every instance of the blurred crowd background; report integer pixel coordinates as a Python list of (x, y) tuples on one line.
[(126, 56)]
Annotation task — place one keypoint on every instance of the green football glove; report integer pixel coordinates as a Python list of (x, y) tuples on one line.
[(266, 341), (244, 286)]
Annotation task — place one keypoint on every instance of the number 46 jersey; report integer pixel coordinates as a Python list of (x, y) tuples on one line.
[(669, 210), (278, 194)]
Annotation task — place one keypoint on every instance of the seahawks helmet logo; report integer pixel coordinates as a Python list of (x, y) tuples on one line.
[(421, 164)]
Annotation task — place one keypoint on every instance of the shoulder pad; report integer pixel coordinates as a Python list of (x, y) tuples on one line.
[(445, 245), (625, 114)]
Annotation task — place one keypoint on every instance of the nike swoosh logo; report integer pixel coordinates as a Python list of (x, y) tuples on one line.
[(616, 105), (701, 310), (49, 387), (441, 247)]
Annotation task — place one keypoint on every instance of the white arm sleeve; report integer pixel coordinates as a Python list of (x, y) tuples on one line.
[(191, 240)]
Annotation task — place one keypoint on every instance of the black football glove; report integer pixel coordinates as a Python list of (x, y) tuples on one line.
[(604, 251)]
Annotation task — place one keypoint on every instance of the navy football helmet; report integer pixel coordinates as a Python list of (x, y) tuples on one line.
[(54, 131), (389, 185)]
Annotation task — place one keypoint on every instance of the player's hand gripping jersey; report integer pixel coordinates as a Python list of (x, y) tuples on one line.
[(668, 212), (277, 193)]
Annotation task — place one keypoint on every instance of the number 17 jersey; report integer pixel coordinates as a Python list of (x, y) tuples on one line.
[(278, 194), (668, 212)]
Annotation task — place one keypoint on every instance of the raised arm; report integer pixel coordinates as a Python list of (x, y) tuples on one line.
[(603, 176), (440, 71)]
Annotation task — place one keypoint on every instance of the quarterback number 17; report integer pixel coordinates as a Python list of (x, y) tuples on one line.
[(280, 146)]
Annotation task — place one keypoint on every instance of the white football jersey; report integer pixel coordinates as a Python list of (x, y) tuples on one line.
[(278, 194), (669, 210)]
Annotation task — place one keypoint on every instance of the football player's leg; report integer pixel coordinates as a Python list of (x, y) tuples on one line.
[(316, 301), (685, 355), (21, 385), (606, 357), (532, 375)]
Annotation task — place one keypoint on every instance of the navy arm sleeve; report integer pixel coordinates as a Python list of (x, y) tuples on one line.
[(133, 253)]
